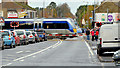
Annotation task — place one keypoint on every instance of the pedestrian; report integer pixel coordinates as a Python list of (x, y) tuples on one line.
[(88, 33), (92, 33), (96, 35)]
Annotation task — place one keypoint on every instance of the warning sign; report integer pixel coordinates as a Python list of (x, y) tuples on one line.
[(2, 22)]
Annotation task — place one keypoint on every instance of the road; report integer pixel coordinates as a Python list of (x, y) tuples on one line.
[(69, 52)]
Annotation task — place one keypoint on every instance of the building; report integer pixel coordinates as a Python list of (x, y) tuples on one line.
[(17, 9), (108, 11)]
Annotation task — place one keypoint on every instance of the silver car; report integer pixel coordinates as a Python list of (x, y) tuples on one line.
[(31, 37), (23, 36)]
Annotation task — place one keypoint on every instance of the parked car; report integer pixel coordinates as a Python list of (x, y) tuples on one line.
[(108, 38), (42, 35), (17, 39), (1, 42), (8, 38), (116, 57), (36, 36), (23, 36), (30, 36)]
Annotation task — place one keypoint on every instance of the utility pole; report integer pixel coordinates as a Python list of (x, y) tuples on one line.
[(87, 15), (107, 14), (43, 8)]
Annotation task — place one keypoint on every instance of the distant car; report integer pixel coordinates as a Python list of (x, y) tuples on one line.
[(23, 36), (8, 38), (36, 36), (83, 30), (42, 35), (1, 42), (79, 30), (116, 57), (30, 36), (17, 39)]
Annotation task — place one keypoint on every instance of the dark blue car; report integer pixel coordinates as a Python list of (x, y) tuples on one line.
[(42, 35)]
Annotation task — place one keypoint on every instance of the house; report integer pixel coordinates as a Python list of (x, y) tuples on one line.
[(17, 9), (107, 11)]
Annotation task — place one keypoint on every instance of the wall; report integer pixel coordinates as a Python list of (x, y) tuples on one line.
[(102, 17)]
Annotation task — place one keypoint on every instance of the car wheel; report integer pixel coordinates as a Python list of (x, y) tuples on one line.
[(11, 46), (3, 47), (14, 46)]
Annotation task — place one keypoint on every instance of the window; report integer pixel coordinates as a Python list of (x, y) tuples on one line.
[(35, 25), (58, 25)]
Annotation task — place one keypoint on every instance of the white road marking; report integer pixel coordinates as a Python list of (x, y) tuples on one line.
[(58, 44), (19, 52), (7, 64), (34, 56), (34, 53), (28, 51), (22, 60), (89, 48), (102, 65)]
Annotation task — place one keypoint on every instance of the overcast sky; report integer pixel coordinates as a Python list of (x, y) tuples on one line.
[(73, 4)]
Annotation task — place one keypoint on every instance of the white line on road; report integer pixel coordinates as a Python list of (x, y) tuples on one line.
[(22, 60), (7, 64), (19, 52), (58, 44), (34, 53), (89, 48)]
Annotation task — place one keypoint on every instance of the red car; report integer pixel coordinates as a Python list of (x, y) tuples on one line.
[(17, 38)]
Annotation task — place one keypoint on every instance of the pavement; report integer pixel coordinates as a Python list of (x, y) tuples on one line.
[(69, 52)]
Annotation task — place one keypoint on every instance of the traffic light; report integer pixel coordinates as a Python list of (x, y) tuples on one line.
[(14, 24)]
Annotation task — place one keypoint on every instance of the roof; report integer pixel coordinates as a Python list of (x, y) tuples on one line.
[(25, 6), (112, 6), (14, 5)]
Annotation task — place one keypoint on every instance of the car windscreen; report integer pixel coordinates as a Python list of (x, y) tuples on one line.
[(5, 33), (28, 33), (20, 32)]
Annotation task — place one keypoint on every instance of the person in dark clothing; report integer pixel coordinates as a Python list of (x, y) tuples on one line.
[(88, 33)]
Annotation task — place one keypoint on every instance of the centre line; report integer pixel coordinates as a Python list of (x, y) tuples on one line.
[(35, 53)]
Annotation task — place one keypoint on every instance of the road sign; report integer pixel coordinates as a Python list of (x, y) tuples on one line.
[(2, 22), (110, 18), (14, 24)]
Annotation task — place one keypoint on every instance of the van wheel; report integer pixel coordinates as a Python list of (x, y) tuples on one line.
[(99, 51)]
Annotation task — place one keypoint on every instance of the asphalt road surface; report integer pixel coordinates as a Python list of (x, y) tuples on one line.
[(69, 52)]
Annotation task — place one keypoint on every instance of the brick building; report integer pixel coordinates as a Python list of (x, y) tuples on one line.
[(17, 9)]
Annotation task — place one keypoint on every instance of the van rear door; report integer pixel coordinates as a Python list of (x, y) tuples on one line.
[(109, 35)]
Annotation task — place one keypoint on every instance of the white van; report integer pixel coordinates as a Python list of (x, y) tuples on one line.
[(109, 38)]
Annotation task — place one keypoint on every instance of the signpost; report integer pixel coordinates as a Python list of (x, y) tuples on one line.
[(110, 18), (2, 22)]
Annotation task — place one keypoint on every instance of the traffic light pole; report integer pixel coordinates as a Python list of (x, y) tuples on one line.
[(14, 27)]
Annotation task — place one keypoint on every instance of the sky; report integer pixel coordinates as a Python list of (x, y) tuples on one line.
[(73, 4)]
